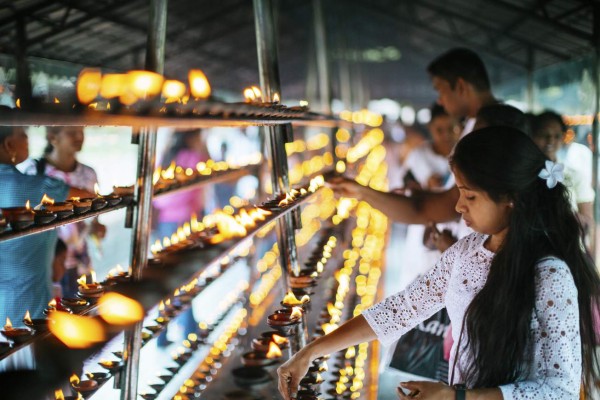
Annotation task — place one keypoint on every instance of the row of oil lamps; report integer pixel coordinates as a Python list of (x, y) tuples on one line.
[(220, 226), (49, 210), (174, 175)]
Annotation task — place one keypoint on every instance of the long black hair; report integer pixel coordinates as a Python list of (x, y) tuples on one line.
[(505, 163)]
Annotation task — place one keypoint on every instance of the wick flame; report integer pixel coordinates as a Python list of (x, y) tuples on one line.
[(56, 101), (288, 199), (47, 200), (8, 325), (318, 379), (74, 379), (52, 303), (276, 98), (27, 317), (279, 339), (58, 394), (97, 189), (290, 299), (296, 313), (28, 205), (274, 351), (82, 281), (199, 86), (93, 273)]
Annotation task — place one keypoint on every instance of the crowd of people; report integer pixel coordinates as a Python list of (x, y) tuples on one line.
[(508, 260)]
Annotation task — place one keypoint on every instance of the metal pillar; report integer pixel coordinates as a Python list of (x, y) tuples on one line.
[(322, 59), (23, 90), (530, 69), (596, 128), (276, 136), (143, 215)]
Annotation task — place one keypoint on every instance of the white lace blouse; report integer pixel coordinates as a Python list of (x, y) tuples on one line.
[(457, 277)]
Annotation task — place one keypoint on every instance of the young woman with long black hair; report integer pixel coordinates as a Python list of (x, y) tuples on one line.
[(519, 291)]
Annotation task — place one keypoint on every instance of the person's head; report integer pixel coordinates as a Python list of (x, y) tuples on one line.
[(441, 126), (457, 75), (14, 145), (186, 140), (58, 264), (501, 115), (64, 139), (499, 168), (548, 131)]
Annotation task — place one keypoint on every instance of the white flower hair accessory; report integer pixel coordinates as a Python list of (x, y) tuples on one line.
[(553, 173)]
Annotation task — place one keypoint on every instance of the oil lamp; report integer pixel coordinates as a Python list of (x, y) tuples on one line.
[(19, 217), (80, 205), (17, 335), (37, 324), (62, 209), (84, 387)]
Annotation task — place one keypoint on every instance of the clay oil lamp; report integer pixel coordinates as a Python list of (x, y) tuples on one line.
[(92, 290), (148, 396), (182, 356), (285, 320), (118, 354), (158, 387), (146, 336), (166, 378), (75, 304), (110, 366), (19, 217), (262, 359), (262, 343), (61, 209), (80, 205), (125, 192), (3, 221), (98, 203), (112, 199), (276, 337), (17, 335), (42, 217), (307, 394), (154, 328), (56, 305), (312, 382), (248, 376), (99, 377), (84, 387), (162, 320), (117, 275), (290, 300), (37, 324), (306, 279)]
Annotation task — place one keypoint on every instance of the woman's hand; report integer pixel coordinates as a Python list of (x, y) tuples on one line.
[(345, 187), (425, 391), (291, 372)]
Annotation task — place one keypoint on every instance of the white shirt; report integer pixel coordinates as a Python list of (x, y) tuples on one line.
[(556, 367)]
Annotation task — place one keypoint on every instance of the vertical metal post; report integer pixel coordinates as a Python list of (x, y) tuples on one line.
[(143, 215), (530, 69), (322, 59), (23, 89), (266, 43), (596, 128)]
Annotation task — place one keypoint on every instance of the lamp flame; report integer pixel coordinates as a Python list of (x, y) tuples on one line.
[(199, 86), (279, 339), (81, 281), (58, 394), (97, 189), (144, 84), (74, 379), (8, 326), (28, 205), (76, 331), (27, 318), (296, 313), (52, 303), (292, 300), (89, 82), (113, 85), (276, 98), (173, 90), (117, 309), (288, 199), (274, 350), (47, 200)]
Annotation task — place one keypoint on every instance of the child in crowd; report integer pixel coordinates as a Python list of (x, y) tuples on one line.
[(520, 290), (58, 268)]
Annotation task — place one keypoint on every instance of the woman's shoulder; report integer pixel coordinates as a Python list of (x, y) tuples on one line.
[(552, 273), (471, 245)]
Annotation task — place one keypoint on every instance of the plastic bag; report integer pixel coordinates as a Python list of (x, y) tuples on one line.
[(421, 350)]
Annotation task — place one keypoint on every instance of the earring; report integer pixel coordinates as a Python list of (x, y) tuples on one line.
[(511, 204), (13, 159)]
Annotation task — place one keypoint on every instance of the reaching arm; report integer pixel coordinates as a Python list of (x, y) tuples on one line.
[(421, 208), (351, 333)]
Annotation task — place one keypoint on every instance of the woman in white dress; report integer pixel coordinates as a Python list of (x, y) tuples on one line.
[(520, 290)]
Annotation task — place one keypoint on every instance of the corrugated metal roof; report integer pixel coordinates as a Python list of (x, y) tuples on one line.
[(511, 35)]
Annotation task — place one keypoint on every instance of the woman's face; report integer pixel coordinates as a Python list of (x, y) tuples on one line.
[(69, 139), (479, 211), (17, 145), (549, 139)]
